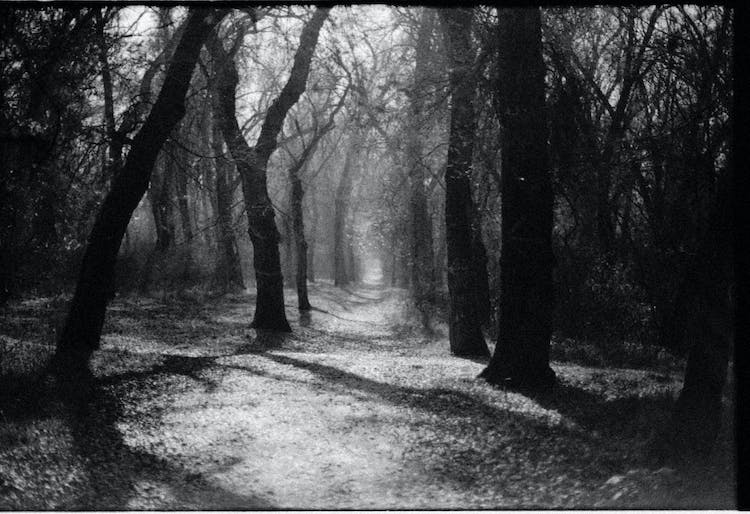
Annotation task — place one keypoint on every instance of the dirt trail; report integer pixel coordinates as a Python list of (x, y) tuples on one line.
[(355, 409), (297, 427)]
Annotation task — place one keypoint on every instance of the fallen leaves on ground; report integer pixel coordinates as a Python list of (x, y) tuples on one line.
[(356, 409)]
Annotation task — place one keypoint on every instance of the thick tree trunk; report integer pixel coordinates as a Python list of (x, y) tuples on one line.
[(464, 331), (708, 316), (138, 110), (251, 164), (422, 252), (228, 268), (526, 292), (82, 330)]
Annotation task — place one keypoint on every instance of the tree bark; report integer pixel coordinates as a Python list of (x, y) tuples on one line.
[(298, 226), (162, 212), (139, 108), (109, 110), (288, 247), (464, 331), (708, 330), (251, 164), (521, 357), (422, 252), (313, 239), (82, 330), (341, 275), (228, 268)]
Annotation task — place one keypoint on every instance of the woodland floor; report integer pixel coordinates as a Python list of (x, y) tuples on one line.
[(356, 409)]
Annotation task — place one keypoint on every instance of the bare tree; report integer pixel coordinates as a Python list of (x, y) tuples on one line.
[(297, 195), (82, 330), (252, 162)]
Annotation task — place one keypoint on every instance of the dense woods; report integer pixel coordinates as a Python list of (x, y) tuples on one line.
[(540, 185)]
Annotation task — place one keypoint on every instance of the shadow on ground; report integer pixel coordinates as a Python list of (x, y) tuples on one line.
[(115, 473)]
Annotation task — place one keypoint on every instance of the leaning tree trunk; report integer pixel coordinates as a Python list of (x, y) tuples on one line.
[(252, 162), (228, 269), (526, 261), (82, 330), (422, 252), (464, 330)]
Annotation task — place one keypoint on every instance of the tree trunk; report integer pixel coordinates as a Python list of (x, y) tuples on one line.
[(289, 249), (479, 262), (351, 261), (228, 268), (113, 159), (298, 226), (708, 328), (313, 240), (464, 331), (422, 253), (251, 164), (521, 356), (181, 183), (162, 211), (341, 276), (82, 330)]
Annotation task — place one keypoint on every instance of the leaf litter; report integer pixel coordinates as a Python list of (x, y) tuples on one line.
[(356, 409)]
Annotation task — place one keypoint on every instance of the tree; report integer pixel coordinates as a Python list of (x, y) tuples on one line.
[(465, 332), (252, 162), (422, 252), (228, 269), (49, 62), (521, 357), (162, 209), (341, 272), (708, 305), (82, 330), (297, 195), (640, 128)]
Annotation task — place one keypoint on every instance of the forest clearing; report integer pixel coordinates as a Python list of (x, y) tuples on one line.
[(370, 256), (356, 409)]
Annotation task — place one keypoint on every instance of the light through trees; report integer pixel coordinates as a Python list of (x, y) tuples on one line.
[(523, 176)]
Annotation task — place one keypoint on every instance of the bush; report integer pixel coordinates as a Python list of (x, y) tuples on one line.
[(619, 354), (600, 301)]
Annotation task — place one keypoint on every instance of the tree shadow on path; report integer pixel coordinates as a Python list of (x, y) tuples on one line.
[(115, 472), (618, 427)]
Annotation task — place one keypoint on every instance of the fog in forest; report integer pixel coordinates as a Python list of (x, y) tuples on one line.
[(367, 257)]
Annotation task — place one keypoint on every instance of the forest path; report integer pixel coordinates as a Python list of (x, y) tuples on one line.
[(356, 409)]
